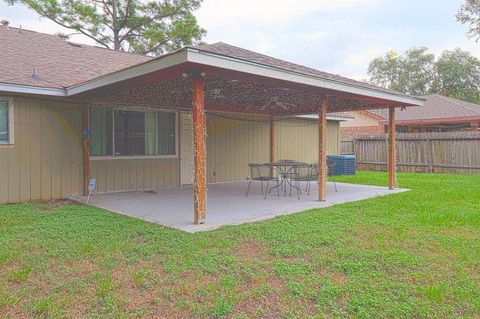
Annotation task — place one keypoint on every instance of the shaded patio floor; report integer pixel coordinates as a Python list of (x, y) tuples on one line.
[(226, 204)]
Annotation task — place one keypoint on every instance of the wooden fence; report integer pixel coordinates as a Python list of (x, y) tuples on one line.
[(449, 152)]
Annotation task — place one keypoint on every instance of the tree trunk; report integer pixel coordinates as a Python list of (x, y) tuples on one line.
[(116, 40), (116, 31)]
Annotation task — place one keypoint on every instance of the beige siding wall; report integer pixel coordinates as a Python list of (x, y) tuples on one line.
[(45, 161), (298, 139), (360, 119), (233, 143), (116, 175)]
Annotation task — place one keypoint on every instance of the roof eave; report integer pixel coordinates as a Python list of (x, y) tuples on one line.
[(30, 89), (432, 121), (226, 62), (193, 55), (158, 64)]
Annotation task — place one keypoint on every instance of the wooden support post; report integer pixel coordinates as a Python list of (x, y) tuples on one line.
[(272, 138), (200, 182), (392, 165), (322, 150), (86, 148)]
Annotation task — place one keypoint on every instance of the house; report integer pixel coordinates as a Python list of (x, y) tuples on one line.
[(70, 112), (438, 114)]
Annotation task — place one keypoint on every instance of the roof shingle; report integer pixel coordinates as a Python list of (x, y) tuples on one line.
[(45, 60), (435, 107), (244, 54)]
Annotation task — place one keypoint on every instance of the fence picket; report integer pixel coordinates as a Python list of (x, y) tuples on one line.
[(457, 152)]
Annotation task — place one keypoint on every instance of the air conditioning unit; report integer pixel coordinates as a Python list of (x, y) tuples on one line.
[(344, 164)]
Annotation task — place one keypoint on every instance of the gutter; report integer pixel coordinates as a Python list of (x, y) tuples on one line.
[(30, 89)]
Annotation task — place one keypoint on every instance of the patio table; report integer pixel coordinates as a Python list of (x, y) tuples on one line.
[(285, 169)]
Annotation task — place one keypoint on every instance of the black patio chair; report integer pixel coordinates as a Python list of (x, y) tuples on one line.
[(330, 167), (261, 173), (301, 173)]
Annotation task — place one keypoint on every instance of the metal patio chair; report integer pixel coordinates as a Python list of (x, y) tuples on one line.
[(331, 167), (261, 173), (301, 173)]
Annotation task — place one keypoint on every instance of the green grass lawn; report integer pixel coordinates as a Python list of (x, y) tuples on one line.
[(407, 255)]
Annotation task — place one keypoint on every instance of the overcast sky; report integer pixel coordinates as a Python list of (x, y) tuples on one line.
[(338, 36)]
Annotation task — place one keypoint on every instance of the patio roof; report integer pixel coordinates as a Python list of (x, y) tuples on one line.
[(236, 78), (229, 79), (243, 81)]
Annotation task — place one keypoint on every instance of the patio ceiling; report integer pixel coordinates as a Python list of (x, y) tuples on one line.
[(222, 94)]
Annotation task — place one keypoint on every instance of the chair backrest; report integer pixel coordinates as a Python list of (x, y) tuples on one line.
[(303, 172), (330, 162), (259, 171), (287, 161), (330, 166)]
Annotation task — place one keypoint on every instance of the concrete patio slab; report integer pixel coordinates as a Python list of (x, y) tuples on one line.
[(226, 204)]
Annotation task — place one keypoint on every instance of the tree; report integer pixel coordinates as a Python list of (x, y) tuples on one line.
[(411, 73), (469, 13), (458, 75), (143, 26)]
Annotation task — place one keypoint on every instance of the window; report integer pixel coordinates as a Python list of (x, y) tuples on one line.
[(101, 131), (132, 133), (166, 133), (5, 122)]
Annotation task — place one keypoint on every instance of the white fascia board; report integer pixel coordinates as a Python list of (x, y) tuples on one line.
[(131, 72), (28, 89), (339, 118), (329, 117), (220, 61)]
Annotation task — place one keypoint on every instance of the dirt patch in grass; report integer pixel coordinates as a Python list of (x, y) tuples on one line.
[(51, 205), (249, 249), (339, 278), (14, 312)]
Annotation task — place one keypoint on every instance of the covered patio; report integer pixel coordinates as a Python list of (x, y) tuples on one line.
[(223, 78), (227, 204)]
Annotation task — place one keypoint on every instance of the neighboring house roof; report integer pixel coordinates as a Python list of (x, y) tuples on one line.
[(435, 109), (46, 60), (45, 64)]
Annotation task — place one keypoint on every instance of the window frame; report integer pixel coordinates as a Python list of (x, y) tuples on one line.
[(138, 109), (11, 121)]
